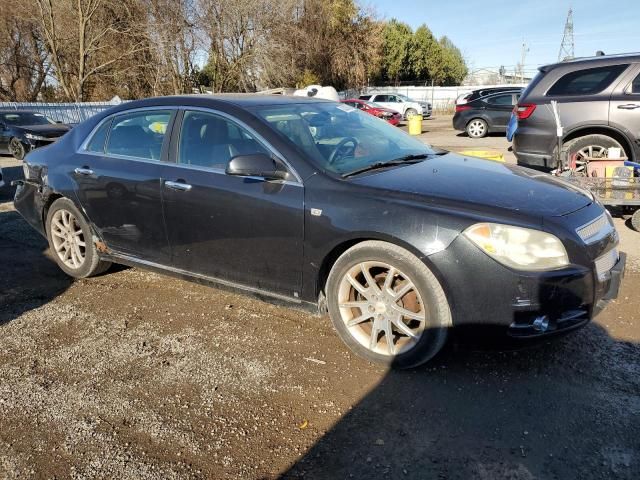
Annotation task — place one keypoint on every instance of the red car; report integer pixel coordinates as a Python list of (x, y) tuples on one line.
[(379, 111)]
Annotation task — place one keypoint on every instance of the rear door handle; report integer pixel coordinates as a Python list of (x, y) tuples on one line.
[(183, 187), (628, 106), (84, 171)]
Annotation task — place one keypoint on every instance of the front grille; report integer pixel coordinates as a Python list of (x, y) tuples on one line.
[(598, 228), (605, 263)]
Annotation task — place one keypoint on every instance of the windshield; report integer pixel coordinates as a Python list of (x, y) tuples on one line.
[(25, 118), (340, 138)]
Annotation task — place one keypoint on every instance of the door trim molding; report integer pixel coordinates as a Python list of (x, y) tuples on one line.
[(130, 260)]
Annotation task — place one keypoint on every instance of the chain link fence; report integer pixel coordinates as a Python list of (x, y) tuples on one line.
[(71, 113)]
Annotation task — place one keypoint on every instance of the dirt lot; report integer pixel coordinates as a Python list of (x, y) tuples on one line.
[(139, 375)]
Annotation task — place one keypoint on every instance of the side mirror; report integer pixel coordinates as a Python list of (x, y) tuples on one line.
[(255, 165)]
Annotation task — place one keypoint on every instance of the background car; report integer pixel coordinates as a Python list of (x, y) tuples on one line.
[(399, 103), (599, 106), (307, 201), (391, 116), (483, 92), (485, 114), (22, 131)]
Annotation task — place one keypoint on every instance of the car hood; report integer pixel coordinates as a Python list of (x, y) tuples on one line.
[(472, 180), (52, 130)]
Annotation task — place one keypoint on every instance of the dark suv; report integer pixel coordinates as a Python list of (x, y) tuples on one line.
[(599, 105)]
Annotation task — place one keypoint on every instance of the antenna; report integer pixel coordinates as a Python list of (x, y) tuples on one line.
[(567, 46)]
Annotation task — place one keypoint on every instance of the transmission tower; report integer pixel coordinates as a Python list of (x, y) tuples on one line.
[(567, 45)]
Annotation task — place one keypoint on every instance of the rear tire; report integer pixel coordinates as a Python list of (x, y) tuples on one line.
[(594, 145), (477, 128), (71, 241), (635, 220), (387, 306)]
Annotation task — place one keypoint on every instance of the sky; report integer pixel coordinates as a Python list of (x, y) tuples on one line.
[(490, 33)]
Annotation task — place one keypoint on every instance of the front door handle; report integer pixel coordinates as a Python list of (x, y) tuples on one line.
[(183, 187), (628, 106), (84, 171)]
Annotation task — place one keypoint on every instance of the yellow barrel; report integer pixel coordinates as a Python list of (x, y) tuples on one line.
[(486, 154), (415, 124)]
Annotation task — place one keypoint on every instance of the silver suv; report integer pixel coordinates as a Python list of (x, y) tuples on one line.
[(599, 105)]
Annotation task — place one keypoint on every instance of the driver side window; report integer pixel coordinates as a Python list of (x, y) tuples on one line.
[(209, 140)]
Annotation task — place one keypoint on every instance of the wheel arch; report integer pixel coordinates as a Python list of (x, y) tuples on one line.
[(608, 131), (338, 249), (478, 116)]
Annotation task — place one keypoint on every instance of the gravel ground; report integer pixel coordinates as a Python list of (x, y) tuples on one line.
[(138, 375)]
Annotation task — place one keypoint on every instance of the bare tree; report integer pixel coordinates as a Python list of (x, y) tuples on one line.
[(174, 37), (80, 35), (23, 55)]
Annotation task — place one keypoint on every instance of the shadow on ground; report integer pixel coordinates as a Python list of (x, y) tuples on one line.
[(566, 410), (31, 277)]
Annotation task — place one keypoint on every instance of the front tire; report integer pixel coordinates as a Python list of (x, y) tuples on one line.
[(410, 112), (477, 128), (17, 149), (387, 306), (71, 241)]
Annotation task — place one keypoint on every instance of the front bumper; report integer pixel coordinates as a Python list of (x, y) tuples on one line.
[(488, 298)]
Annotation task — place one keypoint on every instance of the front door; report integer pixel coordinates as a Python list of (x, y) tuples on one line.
[(624, 113), (245, 230), (118, 183)]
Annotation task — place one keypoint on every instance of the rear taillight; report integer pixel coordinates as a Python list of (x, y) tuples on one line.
[(462, 108), (524, 111)]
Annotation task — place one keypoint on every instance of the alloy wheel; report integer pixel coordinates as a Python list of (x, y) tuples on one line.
[(381, 308), (16, 149), (68, 239), (476, 128), (583, 155)]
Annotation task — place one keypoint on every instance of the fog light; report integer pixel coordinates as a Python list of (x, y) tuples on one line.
[(541, 324)]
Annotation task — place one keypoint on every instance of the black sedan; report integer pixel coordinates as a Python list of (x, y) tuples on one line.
[(22, 131), (485, 114), (317, 203)]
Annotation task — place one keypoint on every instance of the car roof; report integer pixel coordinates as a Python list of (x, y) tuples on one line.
[(237, 99), (596, 61)]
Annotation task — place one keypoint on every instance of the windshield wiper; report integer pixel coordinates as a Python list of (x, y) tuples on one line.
[(407, 159)]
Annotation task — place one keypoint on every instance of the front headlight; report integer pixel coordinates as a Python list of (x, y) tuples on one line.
[(31, 136), (519, 248)]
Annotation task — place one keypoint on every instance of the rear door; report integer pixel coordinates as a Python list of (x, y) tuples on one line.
[(245, 230), (498, 110), (117, 174), (624, 107)]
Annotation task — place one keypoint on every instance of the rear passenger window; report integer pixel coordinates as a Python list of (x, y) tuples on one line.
[(587, 82), (96, 144), (501, 100), (635, 86), (139, 134), (209, 140)]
